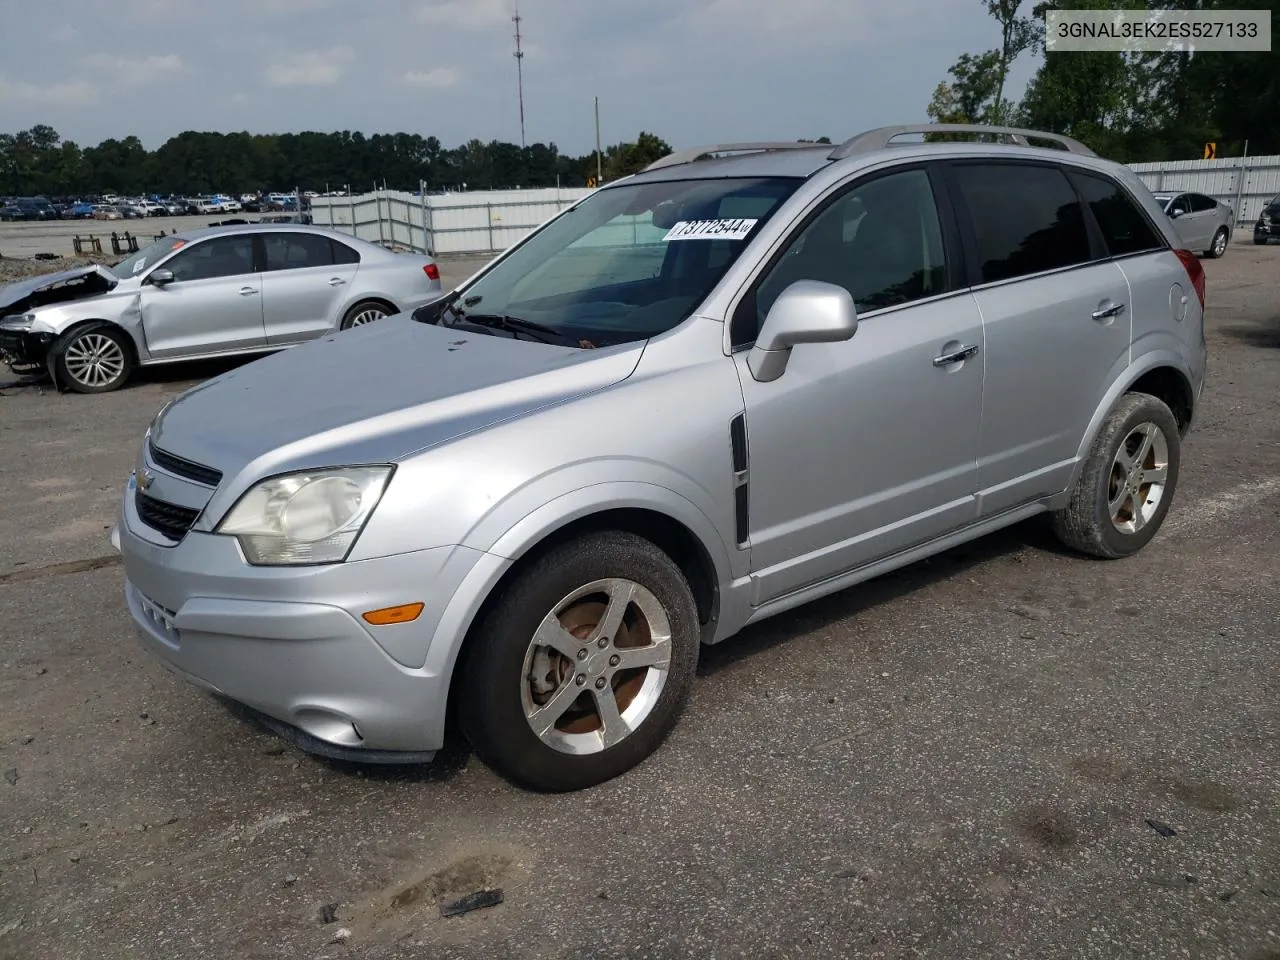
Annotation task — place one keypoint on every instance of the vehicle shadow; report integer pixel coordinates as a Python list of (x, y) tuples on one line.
[(168, 373), (1264, 333), (865, 597)]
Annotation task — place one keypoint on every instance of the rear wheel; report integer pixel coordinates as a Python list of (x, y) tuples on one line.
[(1127, 483), (1219, 244), (96, 358), (365, 312), (582, 665)]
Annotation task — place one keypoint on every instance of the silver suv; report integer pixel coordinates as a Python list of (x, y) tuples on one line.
[(747, 377)]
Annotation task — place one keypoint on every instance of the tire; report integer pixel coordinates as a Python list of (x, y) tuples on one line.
[(1088, 523), (366, 311), (507, 676), (95, 358), (1218, 245), (1259, 241)]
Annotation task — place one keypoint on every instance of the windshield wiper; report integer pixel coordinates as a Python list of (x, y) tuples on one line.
[(503, 321)]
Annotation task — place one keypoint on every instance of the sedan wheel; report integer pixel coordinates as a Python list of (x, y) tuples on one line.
[(1219, 246), (582, 663), (94, 359), (363, 313)]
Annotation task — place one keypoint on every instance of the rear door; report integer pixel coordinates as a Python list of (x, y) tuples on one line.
[(1056, 321), (306, 283), (214, 303)]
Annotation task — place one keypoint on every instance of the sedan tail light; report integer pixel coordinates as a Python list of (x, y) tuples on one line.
[(1195, 272), (432, 271)]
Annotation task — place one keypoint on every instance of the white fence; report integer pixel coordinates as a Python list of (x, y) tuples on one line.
[(1244, 183), (448, 223), (485, 222)]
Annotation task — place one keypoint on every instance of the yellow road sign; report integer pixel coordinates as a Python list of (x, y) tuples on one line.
[(1211, 151)]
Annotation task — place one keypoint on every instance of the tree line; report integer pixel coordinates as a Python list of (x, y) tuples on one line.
[(39, 162), (1129, 107)]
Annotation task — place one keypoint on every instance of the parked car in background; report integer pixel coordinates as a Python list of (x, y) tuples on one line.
[(1267, 226), (1203, 223), (747, 377), (80, 210), (106, 211), (29, 208), (211, 292)]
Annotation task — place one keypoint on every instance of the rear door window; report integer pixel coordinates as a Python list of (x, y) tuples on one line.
[(1024, 218), (297, 251), (1124, 228)]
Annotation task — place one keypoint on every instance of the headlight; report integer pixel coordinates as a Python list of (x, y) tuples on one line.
[(304, 518), (20, 323)]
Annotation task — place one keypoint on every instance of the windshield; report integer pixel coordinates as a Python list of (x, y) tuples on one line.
[(627, 263), (135, 263)]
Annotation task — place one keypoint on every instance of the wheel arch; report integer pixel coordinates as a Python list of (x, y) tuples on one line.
[(1162, 374), (136, 353), (674, 531), (378, 298)]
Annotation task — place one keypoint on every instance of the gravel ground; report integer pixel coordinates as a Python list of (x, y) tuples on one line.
[(1007, 751)]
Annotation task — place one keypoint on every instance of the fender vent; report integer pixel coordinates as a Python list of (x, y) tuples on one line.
[(741, 483)]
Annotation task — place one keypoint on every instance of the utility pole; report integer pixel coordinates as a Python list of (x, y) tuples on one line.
[(599, 159), (519, 70)]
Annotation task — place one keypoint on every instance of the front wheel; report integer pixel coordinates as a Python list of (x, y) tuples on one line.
[(96, 358), (582, 665), (1127, 483)]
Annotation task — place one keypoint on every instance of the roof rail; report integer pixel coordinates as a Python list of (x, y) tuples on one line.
[(696, 153), (882, 137)]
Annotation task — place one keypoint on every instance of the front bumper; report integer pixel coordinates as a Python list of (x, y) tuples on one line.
[(25, 347), (1269, 230), (289, 643)]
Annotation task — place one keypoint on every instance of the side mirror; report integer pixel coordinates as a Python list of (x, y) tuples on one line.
[(161, 277), (1176, 212), (808, 311)]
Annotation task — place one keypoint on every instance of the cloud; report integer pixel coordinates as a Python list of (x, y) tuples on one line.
[(123, 70), (765, 23), (437, 78), (468, 14), (315, 68), (66, 93), (276, 7)]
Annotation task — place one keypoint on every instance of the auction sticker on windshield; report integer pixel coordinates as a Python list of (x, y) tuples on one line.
[(710, 230)]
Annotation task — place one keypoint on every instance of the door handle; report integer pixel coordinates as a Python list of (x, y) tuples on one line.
[(1106, 313), (247, 291), (336, 281), (964, 353)]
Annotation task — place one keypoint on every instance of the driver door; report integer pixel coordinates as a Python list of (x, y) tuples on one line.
[(866, 447), (213, 305)]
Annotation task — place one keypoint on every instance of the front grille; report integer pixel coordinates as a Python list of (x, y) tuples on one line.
[(185, 468), (170, 519)]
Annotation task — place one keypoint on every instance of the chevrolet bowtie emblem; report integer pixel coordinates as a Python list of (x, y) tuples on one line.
[(145, 479)]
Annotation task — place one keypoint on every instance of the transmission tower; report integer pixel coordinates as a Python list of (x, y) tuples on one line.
[(519, 70)]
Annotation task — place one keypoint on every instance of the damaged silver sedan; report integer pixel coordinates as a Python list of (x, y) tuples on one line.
[(219, 291)]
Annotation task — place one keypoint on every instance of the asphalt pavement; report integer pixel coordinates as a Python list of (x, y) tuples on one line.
[(1006, 751)]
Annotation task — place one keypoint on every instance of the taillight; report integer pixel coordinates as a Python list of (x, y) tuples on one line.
[(1195, 272), (432, 271)]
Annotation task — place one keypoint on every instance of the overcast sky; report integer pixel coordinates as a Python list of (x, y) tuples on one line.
[(691, 71)]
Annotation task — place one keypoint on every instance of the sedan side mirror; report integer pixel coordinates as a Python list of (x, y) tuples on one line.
[(808, 311), (161, 277), (1176, 212)]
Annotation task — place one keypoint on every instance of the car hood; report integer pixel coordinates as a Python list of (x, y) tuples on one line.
[(77, 283), (375, 394)]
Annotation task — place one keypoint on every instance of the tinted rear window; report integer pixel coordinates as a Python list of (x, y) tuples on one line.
[(1124, 229), (1026, 219)]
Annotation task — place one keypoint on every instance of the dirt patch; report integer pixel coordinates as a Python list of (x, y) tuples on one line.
[(1047, 827)]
